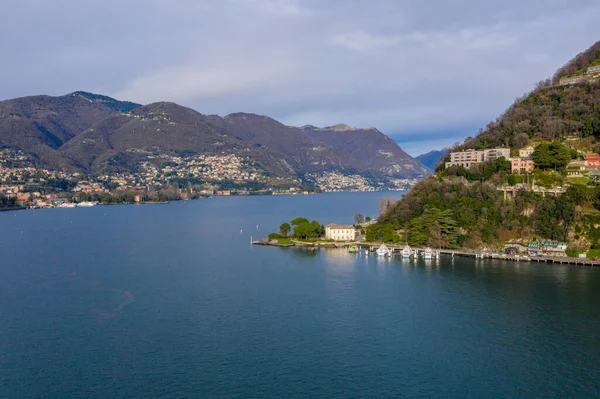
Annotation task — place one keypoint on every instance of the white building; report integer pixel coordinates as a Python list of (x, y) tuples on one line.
[(340, 232), (526, 152), (468, 158)]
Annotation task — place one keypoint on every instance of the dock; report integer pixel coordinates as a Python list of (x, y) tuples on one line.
[(396, 249), (490, 255)]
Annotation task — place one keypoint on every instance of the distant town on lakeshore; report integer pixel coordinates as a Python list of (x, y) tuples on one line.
[(92, 149)]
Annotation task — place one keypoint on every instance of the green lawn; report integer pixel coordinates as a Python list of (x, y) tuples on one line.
[(593, 253), (578, 180)]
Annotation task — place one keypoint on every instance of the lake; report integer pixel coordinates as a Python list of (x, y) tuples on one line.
[(171, 301)]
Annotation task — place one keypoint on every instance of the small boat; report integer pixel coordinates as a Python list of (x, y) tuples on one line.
[(383, 250), (428, 254), (407, 252), (86, 204), (353, 249)]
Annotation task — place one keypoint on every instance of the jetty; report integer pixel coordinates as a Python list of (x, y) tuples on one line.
[(397, 249)]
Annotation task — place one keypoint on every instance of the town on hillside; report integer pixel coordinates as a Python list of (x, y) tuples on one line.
[(163, 177)]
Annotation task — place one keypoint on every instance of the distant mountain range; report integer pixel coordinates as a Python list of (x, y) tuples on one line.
[(95, 134), (431, 158)]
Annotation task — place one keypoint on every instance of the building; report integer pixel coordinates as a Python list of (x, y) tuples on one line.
[(521, 166), (577, 168), (592, 159), (340, 232), (468, 158), (494, 153), (593, 69), (573, 80), (526, 152)]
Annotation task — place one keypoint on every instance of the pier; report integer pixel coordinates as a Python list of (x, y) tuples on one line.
[(397, 249), (491, 255)]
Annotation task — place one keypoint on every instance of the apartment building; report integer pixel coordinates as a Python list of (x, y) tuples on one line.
[(468, 158)]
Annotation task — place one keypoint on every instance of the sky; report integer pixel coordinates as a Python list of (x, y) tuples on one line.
[(427, 73)]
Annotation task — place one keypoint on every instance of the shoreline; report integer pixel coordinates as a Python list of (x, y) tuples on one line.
[(446, 252)]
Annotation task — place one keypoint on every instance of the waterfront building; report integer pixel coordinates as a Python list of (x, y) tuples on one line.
[(468, 158), (340, 232), (520, 165)]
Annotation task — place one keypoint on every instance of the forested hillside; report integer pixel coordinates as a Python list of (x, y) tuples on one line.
[(489, 204)]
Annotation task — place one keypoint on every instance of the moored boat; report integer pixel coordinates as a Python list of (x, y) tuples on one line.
[(383, 250), (428, 254), (406, 252)]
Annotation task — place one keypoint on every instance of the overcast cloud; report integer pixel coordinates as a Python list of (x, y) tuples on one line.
[(427, 73)]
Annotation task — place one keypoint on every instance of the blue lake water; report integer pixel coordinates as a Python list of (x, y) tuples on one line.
[(171, 301)]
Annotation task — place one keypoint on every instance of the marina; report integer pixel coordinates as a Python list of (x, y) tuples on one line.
[(407, 252)]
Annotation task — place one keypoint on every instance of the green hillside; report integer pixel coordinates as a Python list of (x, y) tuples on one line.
[(487, 205)]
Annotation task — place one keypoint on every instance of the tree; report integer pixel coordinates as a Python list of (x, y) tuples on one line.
[(359, 218), (284, 229), (368, 218), (520, 140), (552, 155), (384, 204), (298, 221), (308, 229)]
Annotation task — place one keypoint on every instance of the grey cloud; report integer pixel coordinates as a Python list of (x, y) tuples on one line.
[(403, 66)]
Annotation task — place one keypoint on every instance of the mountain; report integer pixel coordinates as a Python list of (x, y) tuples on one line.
[(96, 134), (370, 147), (119, 141), (431, 158), (467, 207), (294, 146), (40, 125)]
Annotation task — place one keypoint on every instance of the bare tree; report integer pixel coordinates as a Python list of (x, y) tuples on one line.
[(359, 219), (385, 203)]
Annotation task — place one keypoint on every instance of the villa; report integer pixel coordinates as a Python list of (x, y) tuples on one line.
[(340, 232)]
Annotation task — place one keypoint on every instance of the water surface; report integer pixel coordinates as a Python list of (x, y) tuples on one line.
[(171, 301)]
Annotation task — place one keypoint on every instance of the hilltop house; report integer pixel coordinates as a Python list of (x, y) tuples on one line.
[(340, 232), (593, 70), (591, 74), (573, 80)]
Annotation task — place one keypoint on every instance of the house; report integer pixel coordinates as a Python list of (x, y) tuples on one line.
[(520, 165), (577, 168), (340, 232), (526, 152), (593, 70), (592, 159), (573, 80), (468, 158)]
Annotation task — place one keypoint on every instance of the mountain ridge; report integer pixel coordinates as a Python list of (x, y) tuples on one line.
[(96, 134)]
